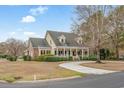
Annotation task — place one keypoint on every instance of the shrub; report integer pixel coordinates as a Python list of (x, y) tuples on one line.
[(17, 77), (40, 58), (11, 58), (91, 57), (70, 58), (104, 54), (27, 58), (3, 56), (9, 79), (55, 59), (112, 58)]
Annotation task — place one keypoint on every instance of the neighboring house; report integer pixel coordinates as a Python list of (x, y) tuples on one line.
[(58, 44)]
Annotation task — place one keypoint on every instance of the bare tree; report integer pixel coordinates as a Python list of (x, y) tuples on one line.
[(115, 28), (3, 48), (15, 47), (94, 19)]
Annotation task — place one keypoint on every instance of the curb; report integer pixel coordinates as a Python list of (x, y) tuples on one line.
[(45, 80), (2, 81)]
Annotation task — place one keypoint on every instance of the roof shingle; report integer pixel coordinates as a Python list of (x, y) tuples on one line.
[(70, 38), (38, 42)]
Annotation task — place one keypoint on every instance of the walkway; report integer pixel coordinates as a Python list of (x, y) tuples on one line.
[(82, 69)]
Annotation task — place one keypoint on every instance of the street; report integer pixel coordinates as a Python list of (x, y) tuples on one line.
[(113, 80)]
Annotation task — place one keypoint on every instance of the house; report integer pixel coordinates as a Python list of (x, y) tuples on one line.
[(58, 44)]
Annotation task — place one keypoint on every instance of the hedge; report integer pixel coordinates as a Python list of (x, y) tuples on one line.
[(104, 54), (27, 58), (51, 58), (91, 57), (11, 58), (55, 59), (3, 56)]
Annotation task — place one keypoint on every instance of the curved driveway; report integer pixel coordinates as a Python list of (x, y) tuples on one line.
[(82, 69)]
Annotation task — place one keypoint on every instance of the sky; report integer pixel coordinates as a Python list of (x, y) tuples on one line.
[(22, 22)]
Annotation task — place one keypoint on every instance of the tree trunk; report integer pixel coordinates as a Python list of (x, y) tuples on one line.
[(98, 56), (98, 52), (117, 52)]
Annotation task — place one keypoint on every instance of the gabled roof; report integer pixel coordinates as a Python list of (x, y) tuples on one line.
[(38, 42), (70, 38)]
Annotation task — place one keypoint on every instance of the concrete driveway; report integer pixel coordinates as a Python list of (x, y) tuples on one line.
[(75, 66)]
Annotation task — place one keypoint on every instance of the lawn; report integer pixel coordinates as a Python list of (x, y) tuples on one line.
[(107, 65), (27, 70)]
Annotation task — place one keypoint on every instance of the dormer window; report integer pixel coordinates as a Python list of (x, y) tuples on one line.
[(79, 40), (62, 39)]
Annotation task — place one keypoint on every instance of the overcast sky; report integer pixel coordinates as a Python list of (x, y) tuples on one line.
[(22, 22)]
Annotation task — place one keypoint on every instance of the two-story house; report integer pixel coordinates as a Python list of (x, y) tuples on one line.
[(58, 44)]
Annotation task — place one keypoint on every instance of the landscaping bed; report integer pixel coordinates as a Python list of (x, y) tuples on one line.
[(12, 71), (107, 65)]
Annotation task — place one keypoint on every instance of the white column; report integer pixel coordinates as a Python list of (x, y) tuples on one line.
[(57, 52), (76, 52), (39, 50), (45, 51), (70, 52), (64, 51)]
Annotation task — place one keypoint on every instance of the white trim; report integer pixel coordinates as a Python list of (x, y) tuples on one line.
[(72, 47), (44, 47)]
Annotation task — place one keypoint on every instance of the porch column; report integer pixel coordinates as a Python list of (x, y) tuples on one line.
[(64, 52), (57, 52), (76, 52), (70, 52), (45, 51), (39, 50)]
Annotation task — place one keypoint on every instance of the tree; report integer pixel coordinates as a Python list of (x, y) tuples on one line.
[(114, 28), (2, 48), (94, 19), (15, 47)]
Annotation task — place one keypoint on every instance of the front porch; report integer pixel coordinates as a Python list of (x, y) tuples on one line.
[(60, 51), (65, 51)]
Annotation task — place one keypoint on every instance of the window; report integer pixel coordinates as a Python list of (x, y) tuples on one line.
[(55, 52), (80, 42), (42, 52), (85, 52), (62, 40)]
